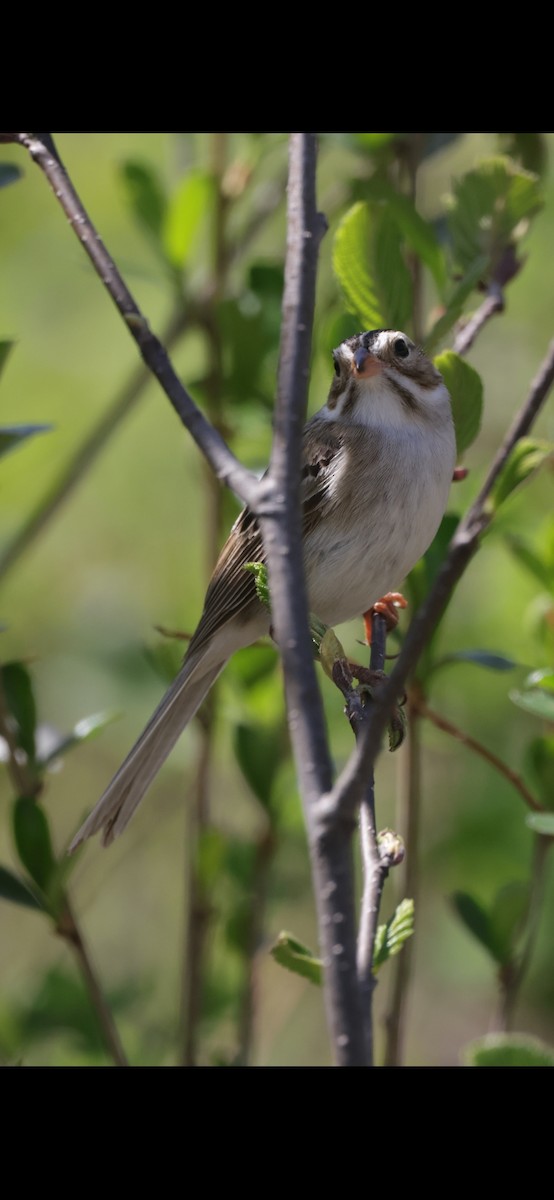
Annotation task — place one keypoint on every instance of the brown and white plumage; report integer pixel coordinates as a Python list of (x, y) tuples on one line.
[(377, 465)]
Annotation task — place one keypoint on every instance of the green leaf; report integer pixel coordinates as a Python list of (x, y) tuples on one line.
[(15, 890), (254, 663), (351, 253), (490, 209), (507, 916), (186, 210), (508, 1050), (5, 350), (539, 761), (393, 279), (374, 141), (9, 173), (85, 729), (542, 823), (529, 148), (12, 435), (476, 919), (290, 953), (259, 752), (456, 303), (259, 571), (526, 457), (423, 575), (466, 393), (538, 566), (536, 701), (32, 839), (390, 938), (145, 196), (20, 700), (418, 234), (543, 678), (481, 658)]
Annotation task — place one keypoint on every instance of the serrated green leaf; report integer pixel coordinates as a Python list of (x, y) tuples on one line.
[(85, 729), (185, 212), (542, 823), (15, 890), (418, 234), (508, 1050), (526, 457), (490, 209), (292, 954), (258, 752), (20, 701), (390, 937), (476, 919), (536, 701), (9, 173), (32, 839), (12, 435), (466, 393), (539, 762), (506, 918), (351, 253), (259, 571), (146, 196), (455, 304)]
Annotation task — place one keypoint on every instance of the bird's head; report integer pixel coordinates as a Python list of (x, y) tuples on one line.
[(381, 376)]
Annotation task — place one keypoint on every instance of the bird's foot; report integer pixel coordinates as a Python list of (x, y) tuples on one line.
[(386, 607)]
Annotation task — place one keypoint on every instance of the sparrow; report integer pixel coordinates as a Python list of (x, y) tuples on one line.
[(377, 464)]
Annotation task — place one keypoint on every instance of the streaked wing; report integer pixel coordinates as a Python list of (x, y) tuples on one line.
[(232, 590)]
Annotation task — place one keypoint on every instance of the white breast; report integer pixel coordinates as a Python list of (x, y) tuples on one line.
[(378, 523)]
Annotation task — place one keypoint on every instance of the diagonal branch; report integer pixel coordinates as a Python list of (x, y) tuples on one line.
[(214, 448)]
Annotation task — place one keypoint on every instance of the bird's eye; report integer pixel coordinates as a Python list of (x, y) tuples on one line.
[(336, 365), (401, 348)]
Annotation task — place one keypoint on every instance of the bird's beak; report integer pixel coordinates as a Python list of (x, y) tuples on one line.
[(365, 364)]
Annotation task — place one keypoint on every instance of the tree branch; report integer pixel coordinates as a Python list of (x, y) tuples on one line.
[(279, 512), (221, 459), (420, 706)]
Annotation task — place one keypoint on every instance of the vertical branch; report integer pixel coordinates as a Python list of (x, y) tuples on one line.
[(197, 903), (375, 872), (512, 975), (279, 512), (409, 815)]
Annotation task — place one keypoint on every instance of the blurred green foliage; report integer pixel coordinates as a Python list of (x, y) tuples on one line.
[(127, 551)]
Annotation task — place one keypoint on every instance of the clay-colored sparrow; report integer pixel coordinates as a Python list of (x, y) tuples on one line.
[(377, 466)]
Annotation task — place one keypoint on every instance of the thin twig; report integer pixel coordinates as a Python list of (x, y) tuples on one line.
[(198, 907), (68, 929), (265, 851), (419, 705), (223, 462), (27, 783), (407, 884), (375, 872)]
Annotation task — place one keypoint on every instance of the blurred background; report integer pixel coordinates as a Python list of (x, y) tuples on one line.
[(196, 224)]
